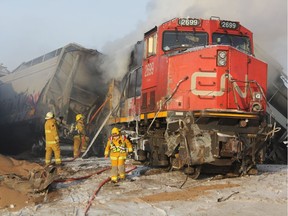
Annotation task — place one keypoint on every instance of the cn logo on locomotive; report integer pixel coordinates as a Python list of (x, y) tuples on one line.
[(222, 85)]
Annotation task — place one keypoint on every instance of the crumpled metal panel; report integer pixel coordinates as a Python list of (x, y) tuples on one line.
[(77, 84), (200, 148), (26, 176), (194, 144)]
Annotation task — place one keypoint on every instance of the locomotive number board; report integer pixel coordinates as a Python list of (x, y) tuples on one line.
[(229, 24), (189, 22)]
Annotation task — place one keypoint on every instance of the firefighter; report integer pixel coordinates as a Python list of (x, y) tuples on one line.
[(52, 140), (80, 138), (117, 146)]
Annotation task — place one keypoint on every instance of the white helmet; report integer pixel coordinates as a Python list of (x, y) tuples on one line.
[(49, 115)]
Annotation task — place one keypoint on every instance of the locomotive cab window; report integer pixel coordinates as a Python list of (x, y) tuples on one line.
[(134, 83), (241, 43), (176, 39), (150, 46)]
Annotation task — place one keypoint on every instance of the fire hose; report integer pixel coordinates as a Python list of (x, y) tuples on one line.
[(97, 111), (82, 177), (98, 189)]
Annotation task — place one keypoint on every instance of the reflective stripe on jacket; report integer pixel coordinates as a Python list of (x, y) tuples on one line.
[(80, 128), (121, 145), (51, 132)]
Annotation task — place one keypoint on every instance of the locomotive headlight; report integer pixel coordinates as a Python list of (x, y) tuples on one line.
[(221, 62), (222, 54), (221, 58)]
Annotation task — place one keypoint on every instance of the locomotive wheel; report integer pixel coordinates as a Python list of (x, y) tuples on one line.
[(193, 172)]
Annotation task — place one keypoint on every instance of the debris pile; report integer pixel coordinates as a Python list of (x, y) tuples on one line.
[(144, 192), (23, 180)]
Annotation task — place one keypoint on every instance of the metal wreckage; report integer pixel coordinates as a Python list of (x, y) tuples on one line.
[(27, 177), (65, 81), (198, 100)]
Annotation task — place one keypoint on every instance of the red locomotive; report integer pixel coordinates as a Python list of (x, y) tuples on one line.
[(197, 98)]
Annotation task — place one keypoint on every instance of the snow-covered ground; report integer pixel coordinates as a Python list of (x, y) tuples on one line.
[(160, 193)]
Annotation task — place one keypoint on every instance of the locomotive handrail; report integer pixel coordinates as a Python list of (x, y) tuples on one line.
[(107, 118), (169, 98)]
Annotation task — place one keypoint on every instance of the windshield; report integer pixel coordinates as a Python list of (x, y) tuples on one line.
[(175, 39), (239, 42)]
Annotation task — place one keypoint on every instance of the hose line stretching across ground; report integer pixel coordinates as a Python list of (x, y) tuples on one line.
[(99, 187)]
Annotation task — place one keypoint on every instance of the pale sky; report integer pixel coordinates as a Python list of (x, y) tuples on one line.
[(30, 28)]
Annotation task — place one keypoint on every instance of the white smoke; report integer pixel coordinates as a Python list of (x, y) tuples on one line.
[(266, 19)]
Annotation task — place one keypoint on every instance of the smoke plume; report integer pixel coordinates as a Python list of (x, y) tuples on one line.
[(266, 19)]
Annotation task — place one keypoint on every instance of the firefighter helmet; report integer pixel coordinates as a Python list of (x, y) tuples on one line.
[(115, 131), (79, 116), (49, 115)]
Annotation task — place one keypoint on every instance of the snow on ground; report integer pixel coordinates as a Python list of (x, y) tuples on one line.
[(160, 193)]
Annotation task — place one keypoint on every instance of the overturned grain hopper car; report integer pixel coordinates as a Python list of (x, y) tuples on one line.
[(66, 81)]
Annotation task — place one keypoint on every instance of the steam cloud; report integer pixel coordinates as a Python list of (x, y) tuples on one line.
[(266, 19)]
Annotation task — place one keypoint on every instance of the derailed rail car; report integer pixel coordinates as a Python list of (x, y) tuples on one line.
[(198, 97), (66, 81)]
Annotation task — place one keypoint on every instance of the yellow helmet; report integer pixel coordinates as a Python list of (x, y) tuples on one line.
[(79, 116), (49, 115), (115, 131)]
